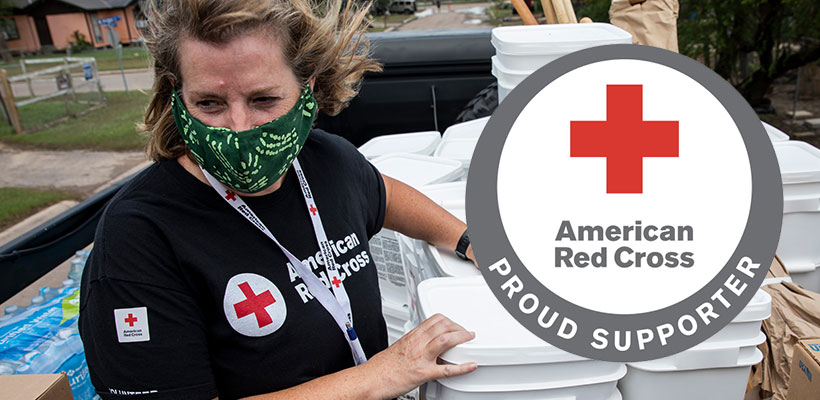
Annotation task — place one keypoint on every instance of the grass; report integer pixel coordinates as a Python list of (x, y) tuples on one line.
[(133, 57), (18, 203), (109, 128)]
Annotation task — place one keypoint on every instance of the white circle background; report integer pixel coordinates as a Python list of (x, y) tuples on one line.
[(707, 187)]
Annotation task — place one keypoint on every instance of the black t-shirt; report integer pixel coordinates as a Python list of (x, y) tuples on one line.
[(182, 297)]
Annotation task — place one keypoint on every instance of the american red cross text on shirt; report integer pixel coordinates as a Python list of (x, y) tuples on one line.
[(254, 304), (131, 319), (624, 139)]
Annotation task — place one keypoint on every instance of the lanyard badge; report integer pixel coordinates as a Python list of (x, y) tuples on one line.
[(335, 300)]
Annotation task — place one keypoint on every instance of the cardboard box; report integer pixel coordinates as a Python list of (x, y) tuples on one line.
[(804, 383), (35, 387)]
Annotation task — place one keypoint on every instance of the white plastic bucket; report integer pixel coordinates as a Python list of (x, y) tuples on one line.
[(799, 246), (531, 47), (775, 135), (423, 143), (507, 76), (417, 171), (503, 91), (466, 130), (513, 363), (645, 381)]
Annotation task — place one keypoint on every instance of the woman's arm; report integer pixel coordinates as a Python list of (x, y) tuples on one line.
[(415, 215), (406, 364)]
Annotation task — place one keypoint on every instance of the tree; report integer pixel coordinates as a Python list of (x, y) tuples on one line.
[(751, 43)]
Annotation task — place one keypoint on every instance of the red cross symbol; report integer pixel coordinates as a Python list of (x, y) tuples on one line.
[(131, 319), (336, 281), (254, 304), (312, 209), (230, 195), (624, 139)]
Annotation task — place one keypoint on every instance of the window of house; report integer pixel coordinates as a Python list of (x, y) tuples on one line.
[(9, 29), (96, 27)]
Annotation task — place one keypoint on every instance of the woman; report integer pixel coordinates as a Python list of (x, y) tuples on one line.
[(205, 302)]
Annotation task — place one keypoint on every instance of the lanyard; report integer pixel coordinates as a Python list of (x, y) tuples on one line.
[(336, 303)]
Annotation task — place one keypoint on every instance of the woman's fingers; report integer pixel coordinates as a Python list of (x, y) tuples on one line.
[(450, 370), (446, 341)]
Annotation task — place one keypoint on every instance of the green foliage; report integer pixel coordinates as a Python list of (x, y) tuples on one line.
[(79, 42), (597, 10), (113, 127), (750, 42), (18, 203)]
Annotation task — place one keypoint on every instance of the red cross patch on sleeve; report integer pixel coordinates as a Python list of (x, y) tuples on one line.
[(132, 324)]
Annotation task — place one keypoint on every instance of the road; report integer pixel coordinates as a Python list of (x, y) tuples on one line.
[(454, 16)]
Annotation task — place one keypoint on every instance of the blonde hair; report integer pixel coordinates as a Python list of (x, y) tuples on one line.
[(319, 40)]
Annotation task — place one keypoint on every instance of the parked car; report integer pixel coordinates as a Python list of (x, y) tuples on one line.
[(403, 7)]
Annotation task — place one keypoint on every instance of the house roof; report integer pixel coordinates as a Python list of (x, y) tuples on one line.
[(83, 4)]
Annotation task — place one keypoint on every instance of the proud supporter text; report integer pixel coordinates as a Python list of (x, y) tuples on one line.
[(623, 256), (643, 337)]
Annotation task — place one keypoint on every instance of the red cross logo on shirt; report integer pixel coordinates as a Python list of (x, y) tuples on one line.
[(131, 319), (336, 281), (254, 304), (313, 209), (624, 139)]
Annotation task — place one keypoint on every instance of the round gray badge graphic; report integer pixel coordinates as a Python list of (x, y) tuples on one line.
[(580, 330)]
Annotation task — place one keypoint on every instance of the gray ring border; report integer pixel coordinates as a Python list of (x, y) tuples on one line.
[(490, 242)]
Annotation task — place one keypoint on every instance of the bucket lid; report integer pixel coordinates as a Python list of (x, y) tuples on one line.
[(775, 135), (449, 195), (758, 309), (466, 130), (417, 143), (799, 162), (418, 170), (457, 149), (556, 38), (500, 339)]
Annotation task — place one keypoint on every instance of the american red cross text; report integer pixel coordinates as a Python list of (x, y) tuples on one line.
[(254, 304), (624, 139)]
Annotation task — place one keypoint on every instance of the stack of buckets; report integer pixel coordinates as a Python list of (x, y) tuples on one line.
[(520, 50), (799, 246)]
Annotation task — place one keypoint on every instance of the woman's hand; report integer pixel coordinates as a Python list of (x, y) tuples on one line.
[(411, 361)]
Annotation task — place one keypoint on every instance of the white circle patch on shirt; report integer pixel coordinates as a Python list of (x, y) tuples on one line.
[(253, 305)]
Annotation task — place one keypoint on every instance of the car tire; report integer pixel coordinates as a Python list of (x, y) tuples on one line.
[(482, 105)]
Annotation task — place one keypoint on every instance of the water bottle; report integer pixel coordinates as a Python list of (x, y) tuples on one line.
[(48, 293), (14, 310), (37, 301), (70, 283), (76, 270)]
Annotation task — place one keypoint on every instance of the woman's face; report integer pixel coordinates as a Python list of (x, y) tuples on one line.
[(238, 85)]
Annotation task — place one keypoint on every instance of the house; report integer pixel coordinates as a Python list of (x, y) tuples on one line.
[(44, 25)]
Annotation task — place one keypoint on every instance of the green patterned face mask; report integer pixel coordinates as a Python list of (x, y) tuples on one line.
[(251, 160)]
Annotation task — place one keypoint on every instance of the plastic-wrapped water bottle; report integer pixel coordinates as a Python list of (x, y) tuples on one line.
[(70, 283), (37, 301), (48, 293), (14, 310), (76, 270)]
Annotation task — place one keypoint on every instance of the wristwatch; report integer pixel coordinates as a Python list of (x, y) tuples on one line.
[(461, 247)]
